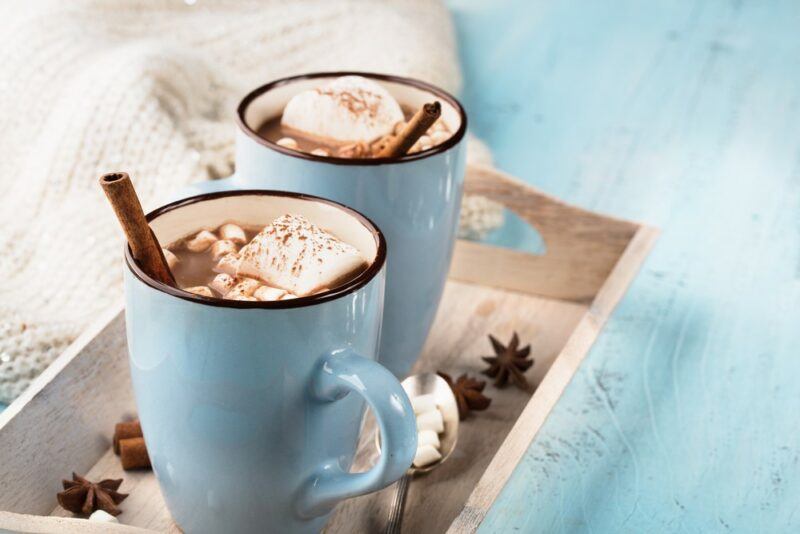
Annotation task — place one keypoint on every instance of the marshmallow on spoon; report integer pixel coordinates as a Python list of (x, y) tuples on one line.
[(428, 437), (431, 421), (426, 455), (350, 108), (423, 403), (296, 255)]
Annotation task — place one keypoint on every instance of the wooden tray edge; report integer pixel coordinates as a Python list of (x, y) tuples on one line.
[(45, 524), (555, 382)]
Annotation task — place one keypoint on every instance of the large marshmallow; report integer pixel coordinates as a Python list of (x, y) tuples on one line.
[(296, 255), (350, 108)]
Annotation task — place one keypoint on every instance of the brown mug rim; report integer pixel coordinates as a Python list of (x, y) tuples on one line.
[(438, 149), (351, 286)]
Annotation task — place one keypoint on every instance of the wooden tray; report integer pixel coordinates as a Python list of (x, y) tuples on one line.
[(558, 302)]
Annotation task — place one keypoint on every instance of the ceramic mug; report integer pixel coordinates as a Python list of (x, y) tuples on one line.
[(251, 410), (414, 199)]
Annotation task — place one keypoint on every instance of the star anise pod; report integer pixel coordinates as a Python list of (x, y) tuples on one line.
[(467, 392), (83, 497), (509, 362)]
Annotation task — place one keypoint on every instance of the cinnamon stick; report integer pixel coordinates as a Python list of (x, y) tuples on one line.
[(416, 128), (144, 245)]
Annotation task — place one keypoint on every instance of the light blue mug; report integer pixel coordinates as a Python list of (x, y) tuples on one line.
[(414, 199), (251, 410)]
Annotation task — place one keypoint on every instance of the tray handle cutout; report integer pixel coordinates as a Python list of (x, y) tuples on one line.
[(582, 247)]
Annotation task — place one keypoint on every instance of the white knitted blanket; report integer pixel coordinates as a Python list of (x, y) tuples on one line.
[(149, 87)]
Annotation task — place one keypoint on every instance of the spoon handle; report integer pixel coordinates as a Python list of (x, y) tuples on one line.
[(398, 504)]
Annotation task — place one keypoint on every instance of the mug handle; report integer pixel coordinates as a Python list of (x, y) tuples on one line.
[(339, 374)]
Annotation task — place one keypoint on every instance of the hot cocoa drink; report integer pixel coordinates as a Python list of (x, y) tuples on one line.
[(289, 258), (350, 117)]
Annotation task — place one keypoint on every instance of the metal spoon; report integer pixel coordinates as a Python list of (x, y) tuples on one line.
[(415, 385)]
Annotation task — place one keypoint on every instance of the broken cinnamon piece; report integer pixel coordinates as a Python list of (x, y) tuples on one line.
[(126, 430), (133, 453)]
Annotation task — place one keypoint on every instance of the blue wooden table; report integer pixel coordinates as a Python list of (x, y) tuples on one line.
[(686, 115)]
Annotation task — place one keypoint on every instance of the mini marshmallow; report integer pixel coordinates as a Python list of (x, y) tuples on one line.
[(428, 437), (172, 259), (423, 143), (222, 283), (222, 248), (439, 137), (201, 241), (242, 297), (228, 264), (243, 288), (232, 232), (296, 255), (423, 403), (430, 421), (101, 516), (426, 455), (320, 152), (348, 109), (287, 142), (288, 296), (204, 291), (267, 294)]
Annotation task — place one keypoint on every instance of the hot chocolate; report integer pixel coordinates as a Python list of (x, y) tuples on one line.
[(350, 117), (289, 258)]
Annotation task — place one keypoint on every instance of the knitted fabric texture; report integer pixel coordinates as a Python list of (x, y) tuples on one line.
[(149, 87)]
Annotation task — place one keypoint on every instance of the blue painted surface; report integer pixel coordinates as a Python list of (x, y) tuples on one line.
[(684, 416)]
